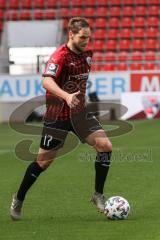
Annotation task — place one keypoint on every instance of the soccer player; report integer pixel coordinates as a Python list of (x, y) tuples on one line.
[(65, 79)]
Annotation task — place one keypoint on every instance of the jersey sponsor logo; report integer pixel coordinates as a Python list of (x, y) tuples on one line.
[(83, 76), (52, 69), (89, 60)]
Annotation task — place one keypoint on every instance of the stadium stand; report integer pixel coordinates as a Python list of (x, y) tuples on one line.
[(125, 32)]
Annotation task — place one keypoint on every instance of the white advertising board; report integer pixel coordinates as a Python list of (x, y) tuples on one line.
[(25, 87)]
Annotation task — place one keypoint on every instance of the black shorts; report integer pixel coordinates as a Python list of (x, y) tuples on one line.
[(55, 133)]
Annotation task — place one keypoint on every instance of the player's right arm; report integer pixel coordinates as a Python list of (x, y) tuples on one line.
[(50, 85), (51, 76)]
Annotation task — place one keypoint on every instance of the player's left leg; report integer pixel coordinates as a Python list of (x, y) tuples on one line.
[(103, 146), (43, 161), (46, 155)]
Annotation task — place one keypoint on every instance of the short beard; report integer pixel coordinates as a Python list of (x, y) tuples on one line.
[(77, 48)]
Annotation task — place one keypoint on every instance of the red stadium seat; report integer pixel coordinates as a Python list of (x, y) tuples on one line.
[(126, 22), (149, 66), (96, 67), (123, 56), (153, 10), (26, 4), (128, 2), (110, 57), (127, 11), (52, 3), (103, 3), (75, 12), (2, 4), (77, 3), (25, 15), (64, 3), (140, 11), (90, 46), (38, 14), (90, 21), (150, 56), (100, 12), (116, 2), (38, 3), (153, 2), (140, 2), (138, 44), (89, 12), (111, 45), (152, 32), (139, 22), (138, 33), (124, 44), (50, 14), (109, 67), (13, 4), (136, 66), (1, 14), (98, 57), (121, 67), (136, 56), (99, 67), (150, 44), (90, 3), (115, 12), (112, 33), (100, 34), (63, 13), (12, 15), (152, 22), (100, 23), (113, 22), (125, 33), (98, 45)]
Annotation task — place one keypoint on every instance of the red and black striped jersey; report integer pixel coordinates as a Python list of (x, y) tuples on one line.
[(70, 71)]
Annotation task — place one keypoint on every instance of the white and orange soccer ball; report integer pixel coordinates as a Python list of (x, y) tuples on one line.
[(117, 208)]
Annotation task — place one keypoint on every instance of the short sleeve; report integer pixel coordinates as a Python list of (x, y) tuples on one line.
[(53, 67)]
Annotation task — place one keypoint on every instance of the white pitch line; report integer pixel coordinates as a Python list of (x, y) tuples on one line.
[(3, 151)]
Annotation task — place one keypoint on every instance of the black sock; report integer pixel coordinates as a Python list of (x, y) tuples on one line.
[(102, 164), (32, 172)]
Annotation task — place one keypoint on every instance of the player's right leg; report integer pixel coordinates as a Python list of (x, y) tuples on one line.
[(103, 147), (44, 159)]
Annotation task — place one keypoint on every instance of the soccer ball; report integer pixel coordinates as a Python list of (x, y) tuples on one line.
[(117, 208)]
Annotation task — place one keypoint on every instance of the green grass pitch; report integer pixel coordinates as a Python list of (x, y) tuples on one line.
[(57, 207)]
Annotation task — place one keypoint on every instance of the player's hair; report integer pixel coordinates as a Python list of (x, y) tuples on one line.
[(75, 24)]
